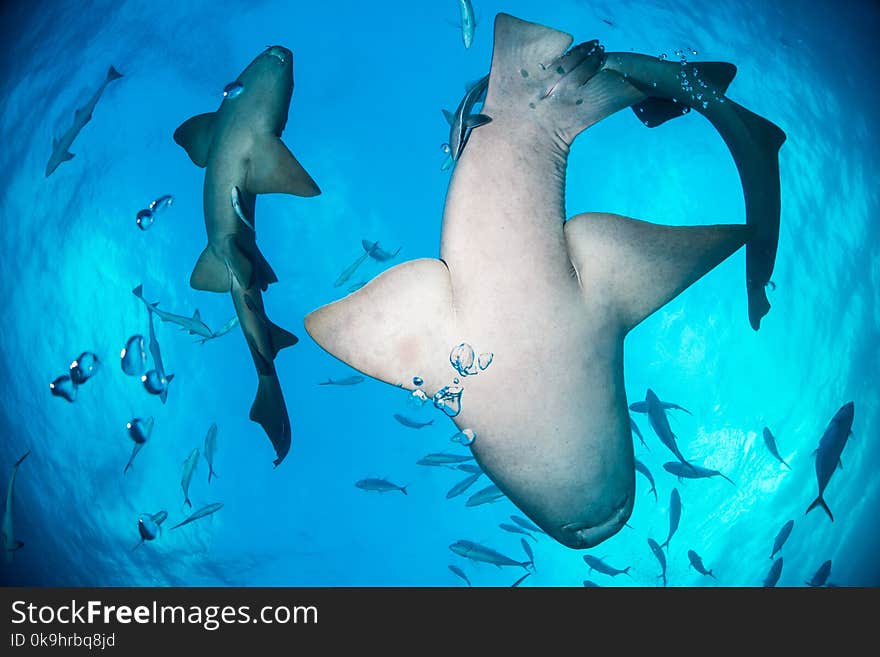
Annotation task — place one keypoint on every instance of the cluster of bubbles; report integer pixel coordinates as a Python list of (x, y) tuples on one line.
[(83, 368), (147, 216), (694, 85)]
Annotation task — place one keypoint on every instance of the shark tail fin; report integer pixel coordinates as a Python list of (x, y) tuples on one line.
[(270, 412), (820, 501), (647, 264), (113, 74)]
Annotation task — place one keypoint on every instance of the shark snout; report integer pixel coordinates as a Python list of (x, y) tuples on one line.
[(586, 534), (281, 53)]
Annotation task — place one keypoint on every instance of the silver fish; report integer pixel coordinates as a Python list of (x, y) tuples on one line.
[(781, 537), (828, 453), (347, 381), (691, 471), (412, 424), (674, 515), (463, 485), (210, 450), (379, 485), (770, 441), (597, 564), (460, 573), (189, 467), (207, 510), (477, 552), (697, 564), (485, 496), (658, 552), (643, 469), (773, 574)]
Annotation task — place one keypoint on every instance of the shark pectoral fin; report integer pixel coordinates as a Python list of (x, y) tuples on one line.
[(210, 273), (657, 111), (274, 170), (270, 412), (195, 136), (396, 327), (476, 120), (636, 266)]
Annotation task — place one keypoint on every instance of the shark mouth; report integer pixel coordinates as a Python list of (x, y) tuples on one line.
[(578, 65), (278, 52)]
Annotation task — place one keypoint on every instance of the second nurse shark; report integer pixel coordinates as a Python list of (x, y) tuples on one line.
[(239, 147)]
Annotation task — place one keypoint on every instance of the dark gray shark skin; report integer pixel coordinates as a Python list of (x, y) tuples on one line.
[(239, 147), (828, 453), (782, 537), (7, 535), (61, 145), (674, 516), (462, 121)]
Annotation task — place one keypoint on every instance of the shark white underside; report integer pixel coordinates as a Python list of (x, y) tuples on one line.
[(553, 300)]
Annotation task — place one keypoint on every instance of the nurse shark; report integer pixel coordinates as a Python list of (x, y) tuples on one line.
[(239, 147), (554, 299)]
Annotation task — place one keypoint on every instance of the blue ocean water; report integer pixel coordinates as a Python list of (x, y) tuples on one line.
[(365, 121)]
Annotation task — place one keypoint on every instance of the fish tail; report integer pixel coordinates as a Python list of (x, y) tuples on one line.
[(211, 474), (785, 464), (403, 489), (18, 462), (625, 571), (709, 573), (665, 544), (728, 479), (820, 501), (187, 502), (113, 74), (654, 490), (127, 468), (137, 546)]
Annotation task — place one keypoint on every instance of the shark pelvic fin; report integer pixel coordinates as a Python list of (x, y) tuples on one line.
[(210, 273), (639, 266), (393, 327), (195, 136), (274, 170)]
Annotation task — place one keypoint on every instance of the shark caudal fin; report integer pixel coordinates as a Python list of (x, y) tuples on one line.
[(195, 136), (392, 328), (753, 141), (639, 266), (270, 412), (535, 79), (274, 170)]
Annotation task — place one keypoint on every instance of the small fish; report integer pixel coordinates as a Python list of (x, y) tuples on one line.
[(595, 563), (412, 424), (7, 535), (156, 380), (515, 529), (134, 452), (588, 583), (235, 198), (697, 564), (233, 89), (189, 467), (210, 450), (477, 552), (520, 580), (379, 485), (231, 323), (608, 22), (642, 407), (660, 424), (347, 381), (468, 22), (525, 524), (63, 387), (828, 453), (462, 121), (674, 516), (149, 526), (773, 574), (463, 485), (356, 286), (781, 537), (485, 496), (139, 430), (133, 357), (528, 550), (348, 271), (643, 469), (638, 432), (84, 368), (376, 253), (658, 552), (207, 510), (443, 458), (691, 471), (770, 441), (194, 325), (460, 573), (469, 467), (821, 575)]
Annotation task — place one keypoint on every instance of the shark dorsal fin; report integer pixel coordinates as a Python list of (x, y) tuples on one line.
[(450, 119), (197, 316)]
